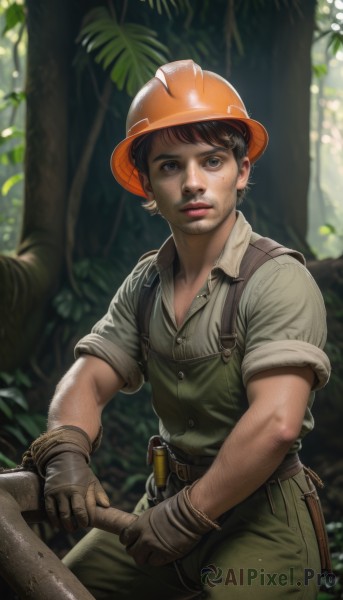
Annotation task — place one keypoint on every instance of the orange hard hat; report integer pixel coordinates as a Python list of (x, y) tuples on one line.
[(181, 92)]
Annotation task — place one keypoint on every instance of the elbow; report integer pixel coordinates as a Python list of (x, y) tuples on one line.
[(285, 434)]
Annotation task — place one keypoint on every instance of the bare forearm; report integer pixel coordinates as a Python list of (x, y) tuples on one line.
[(258, 443), (75, 404), (247, 458), (82, 394)]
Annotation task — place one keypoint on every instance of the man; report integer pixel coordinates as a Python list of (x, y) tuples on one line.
[(229, 520)]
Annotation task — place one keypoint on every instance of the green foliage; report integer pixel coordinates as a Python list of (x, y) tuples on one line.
[(335, 43), (12, 137), (131, 51), (12, 147), (319, 70), (14, 99), (77, 307), (14, 15), (10, 133), (164, 5), (329, 25), (10, 182), (193, 45), (327, 229), (12, 154), (249, 6), (19, 425), (325, 206)]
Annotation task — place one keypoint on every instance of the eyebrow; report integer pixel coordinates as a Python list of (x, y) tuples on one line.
[(213, 150)]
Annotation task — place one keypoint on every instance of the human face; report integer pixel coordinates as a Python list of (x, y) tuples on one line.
[(194, 185)]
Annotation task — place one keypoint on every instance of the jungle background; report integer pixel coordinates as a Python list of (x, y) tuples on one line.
[(69, 234)]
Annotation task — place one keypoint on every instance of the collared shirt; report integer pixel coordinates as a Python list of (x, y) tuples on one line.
[(281, 319)]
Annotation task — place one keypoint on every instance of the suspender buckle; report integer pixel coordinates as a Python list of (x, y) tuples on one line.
[(227, 345)]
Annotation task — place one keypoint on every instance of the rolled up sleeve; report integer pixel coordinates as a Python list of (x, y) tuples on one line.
[(115, 338), (285, 320), (103, 348)]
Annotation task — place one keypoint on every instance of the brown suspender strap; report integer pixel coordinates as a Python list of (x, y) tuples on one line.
[(144, 310), (146, 301), (146, 298), (256, 255)]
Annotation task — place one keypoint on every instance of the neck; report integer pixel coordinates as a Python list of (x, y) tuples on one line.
[(198, 253)]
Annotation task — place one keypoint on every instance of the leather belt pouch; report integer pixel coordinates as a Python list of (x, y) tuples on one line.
[(315, 510)]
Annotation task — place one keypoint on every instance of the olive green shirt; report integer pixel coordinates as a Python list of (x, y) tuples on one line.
[(281, 319)]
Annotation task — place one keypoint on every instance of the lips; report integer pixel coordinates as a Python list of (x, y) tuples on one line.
[(196, 209), (195, 206)]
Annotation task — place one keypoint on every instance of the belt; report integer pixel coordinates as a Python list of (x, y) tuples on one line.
[(290, 466), (185, 471)]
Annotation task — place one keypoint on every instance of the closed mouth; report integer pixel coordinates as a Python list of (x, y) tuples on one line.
[(195, 206)]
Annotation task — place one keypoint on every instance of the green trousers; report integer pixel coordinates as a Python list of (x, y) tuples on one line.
[(266, 549)]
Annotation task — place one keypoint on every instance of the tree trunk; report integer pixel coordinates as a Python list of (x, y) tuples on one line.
[(290, 117), (28, 280), (274, 78)]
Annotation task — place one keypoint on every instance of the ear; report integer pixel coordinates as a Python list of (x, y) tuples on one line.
[(146, 185), (243, 174)]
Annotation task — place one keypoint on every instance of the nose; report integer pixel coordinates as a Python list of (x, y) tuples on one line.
[(193, 180)]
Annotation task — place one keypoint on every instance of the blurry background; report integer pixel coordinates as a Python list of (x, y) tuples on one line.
[(69, 234)]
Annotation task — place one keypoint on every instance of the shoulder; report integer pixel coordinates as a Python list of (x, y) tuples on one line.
[(285, 274), (145, 267), (282, 320), (282, 300), (148, 255)]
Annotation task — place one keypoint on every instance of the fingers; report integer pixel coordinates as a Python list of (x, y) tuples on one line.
[(73, 509), (139, 552), (68, 513), (129, 535), (101, 496), (82, 511), (59, 512), (51, 511), (144, 554)]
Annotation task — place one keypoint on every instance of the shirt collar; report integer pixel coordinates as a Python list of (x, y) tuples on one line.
[(235, 247), (231, 256)]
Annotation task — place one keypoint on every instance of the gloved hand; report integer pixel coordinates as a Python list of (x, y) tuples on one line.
[(167, 531), (71, 489)]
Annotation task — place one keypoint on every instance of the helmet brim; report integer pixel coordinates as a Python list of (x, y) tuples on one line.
[(126, 173)]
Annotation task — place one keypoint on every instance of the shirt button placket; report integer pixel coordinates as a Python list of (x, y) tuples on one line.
[(179, 347)]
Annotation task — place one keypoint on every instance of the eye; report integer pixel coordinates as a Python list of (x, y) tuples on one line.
[(170, 166), (214, 161)]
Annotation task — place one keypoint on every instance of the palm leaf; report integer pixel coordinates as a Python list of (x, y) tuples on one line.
[(160, 4), (130, 51), (178, 5), (335, 42), (191, 45)]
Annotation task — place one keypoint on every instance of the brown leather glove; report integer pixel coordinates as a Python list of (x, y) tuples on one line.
[(71, 489), (167, 531)]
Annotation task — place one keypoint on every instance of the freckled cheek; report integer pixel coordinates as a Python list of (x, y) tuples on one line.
[(220, 178), (221, 184)]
